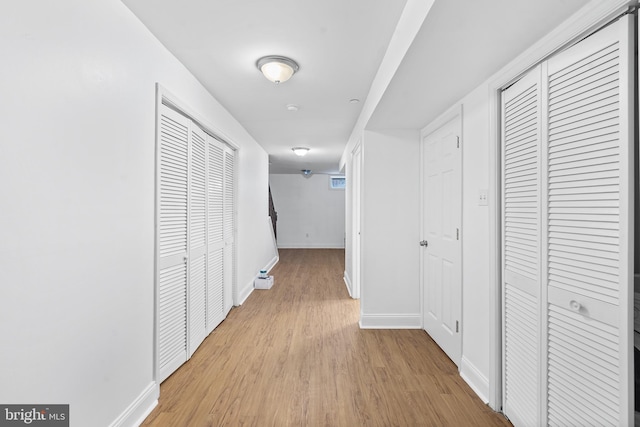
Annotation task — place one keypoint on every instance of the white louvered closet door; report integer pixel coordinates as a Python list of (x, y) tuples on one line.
[(215, 215), (172, 238), (229, 228), (590, 173), (521, 253), (197, 326)]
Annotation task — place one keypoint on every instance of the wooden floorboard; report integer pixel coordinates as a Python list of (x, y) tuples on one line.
[(294, 355)]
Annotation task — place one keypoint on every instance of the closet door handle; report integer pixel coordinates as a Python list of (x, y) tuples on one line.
[(424, 243), (575, 305)]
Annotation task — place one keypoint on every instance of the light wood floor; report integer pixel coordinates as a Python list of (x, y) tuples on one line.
[(295, 356)]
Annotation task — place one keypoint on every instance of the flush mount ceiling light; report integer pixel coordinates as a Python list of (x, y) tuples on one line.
[(278, 69), (300, 151)]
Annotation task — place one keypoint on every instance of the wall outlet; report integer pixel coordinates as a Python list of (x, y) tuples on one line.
[(483, 198)]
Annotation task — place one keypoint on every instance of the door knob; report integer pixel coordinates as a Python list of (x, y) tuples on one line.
[(424, 243)]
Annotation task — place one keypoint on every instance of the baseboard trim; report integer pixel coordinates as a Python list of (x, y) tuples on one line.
[(310, 245), (475, 379), (140, 408), (272, 263), (391, 321), (347, 281), (244, 293)]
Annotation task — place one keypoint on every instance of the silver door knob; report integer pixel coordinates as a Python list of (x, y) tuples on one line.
[(424, 243)]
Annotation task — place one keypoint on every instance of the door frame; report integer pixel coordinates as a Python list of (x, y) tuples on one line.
[(453, 113), (586, 20), (356, 220)]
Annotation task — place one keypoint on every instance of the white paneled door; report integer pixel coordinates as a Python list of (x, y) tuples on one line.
[(567, 257), (195, 237), (441, 248)]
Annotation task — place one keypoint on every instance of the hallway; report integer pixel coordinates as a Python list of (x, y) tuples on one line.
[(295, 356)]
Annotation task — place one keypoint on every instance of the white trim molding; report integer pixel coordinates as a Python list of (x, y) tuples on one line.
[(311, 246), (347, 281), (475, 379), (586, 20), (272, 263), (391, 321), (140, 408), (244, 292)]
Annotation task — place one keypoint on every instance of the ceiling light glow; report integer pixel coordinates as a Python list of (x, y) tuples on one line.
[(277, 69), (300, 151)]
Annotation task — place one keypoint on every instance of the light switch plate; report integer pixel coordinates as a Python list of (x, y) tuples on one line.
[(483, 198)]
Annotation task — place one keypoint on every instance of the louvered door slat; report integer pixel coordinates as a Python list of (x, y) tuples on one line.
[(197, 241), (229, 225), (521, 231), (172, 240), (215, 219), (587, 175), (215, 291), (215, 191)]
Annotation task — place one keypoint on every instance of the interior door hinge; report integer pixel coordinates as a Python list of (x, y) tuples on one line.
[(457, 326), (458, 141), (457, 234)]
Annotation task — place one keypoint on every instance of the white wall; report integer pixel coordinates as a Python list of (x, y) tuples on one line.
[(476, 285), (310, 214), (390, 230), (77, 150)]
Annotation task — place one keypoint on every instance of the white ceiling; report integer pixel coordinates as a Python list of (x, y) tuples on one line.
[(339, 45), (460, 45)]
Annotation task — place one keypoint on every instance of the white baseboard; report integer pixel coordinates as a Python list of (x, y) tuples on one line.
[(272, 263), (391, 321), (347, 281), (244, 293), (311, 245), (140, 408), (476, 380)]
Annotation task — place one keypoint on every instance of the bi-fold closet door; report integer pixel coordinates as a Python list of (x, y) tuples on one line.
[(567, 173), (195, 210)]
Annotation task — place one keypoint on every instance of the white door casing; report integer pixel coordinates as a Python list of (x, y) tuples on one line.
[(357, 220), (441, 214)]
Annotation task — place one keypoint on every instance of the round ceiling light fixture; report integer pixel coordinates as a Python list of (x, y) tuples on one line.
[(277, 69), (300, 151)]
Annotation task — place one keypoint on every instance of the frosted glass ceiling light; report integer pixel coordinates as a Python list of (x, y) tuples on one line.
[(278, 69), (300, 151)]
